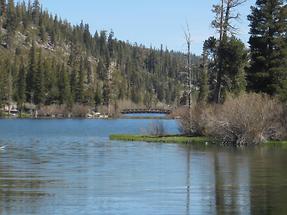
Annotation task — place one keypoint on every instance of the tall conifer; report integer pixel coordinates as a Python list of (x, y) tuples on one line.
[(21, 86), (268, 45), (2, 7)]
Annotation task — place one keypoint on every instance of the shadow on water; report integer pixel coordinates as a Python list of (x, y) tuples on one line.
[(20, 178), (235, 181)]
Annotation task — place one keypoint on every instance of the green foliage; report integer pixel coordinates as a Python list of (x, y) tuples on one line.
[(267, 72), (32, 70), (234, 57), (38, 82), (2, 8), (36, 12), (21, 86), (98, 98), (223, 69), (6, 83), (203, 86), (64, 87), (80, 83)]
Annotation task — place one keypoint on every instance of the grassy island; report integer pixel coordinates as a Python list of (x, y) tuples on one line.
[(161, 139), (278, 143), (178, 139)]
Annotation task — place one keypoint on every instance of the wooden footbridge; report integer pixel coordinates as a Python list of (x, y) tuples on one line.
[(143, 111)]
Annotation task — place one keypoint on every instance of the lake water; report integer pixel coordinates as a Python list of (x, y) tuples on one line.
[(52, 167)]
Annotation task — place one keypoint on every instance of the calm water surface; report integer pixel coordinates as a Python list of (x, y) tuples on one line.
[(52, 167)]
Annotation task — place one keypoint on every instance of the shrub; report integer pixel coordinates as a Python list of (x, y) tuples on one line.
[(243, 120), (156, 128), (284, 122), (80, 111), (53, 110), (247, 119), (193, 122)]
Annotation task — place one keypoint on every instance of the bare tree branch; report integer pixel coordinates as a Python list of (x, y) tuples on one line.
[(224, 14), (190, 75)]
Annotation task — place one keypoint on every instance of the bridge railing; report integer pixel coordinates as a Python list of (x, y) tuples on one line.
[(130, 111)]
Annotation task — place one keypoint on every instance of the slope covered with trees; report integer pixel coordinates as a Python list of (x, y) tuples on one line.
[(45, 60)]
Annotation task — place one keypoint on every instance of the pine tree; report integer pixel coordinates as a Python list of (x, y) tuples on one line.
[(53, 92), (224, 14), (111, 44), (268, 64), (80, 83), (3, 8), (6, 83), (203, 85), (238, 55), (36, 12), (90, 72), (11, 15), (106, 93), (73, 83), (102, 42), (87, 36), (11, 23), (98, 98), (32, 69), (64, 87), (39, 85), (2, 15), (21, 86), (234, 59)]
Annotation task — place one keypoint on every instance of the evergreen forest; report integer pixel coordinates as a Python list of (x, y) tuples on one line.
[(45, 60)]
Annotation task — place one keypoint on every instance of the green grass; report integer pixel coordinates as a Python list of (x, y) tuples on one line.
[(273, 142), (25, 116), (177, 139), (160, 139), (277, 144)]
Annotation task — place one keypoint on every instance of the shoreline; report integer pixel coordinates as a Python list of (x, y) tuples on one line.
[(28, 116), (87, 118), (179, 139)]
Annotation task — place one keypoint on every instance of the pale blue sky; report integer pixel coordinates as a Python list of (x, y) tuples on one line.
[(148, 22)]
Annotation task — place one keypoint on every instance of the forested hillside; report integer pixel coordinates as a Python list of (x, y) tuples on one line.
[(46, 60)]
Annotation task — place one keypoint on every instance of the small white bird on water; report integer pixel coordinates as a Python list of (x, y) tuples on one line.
[(2, 148)]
